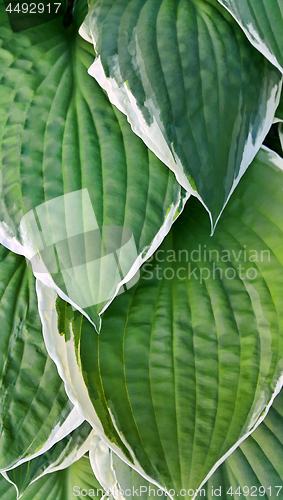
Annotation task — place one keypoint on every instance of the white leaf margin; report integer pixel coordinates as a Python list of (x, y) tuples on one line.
[(121, 97), (59, 432), (63, 354), (73, 420), (9, 239), (61, 463), (280, 132), (251, 33), (260, 413)]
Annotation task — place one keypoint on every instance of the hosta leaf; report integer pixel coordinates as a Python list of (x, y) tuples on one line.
[(34, 409), (279, 111), (192, 86), (68, 451), (61, 455), (131, 484), (54, 484), (7, 490), (116, 477), (62, 329), (101, 463), (279, 118), (76, 481), (72, 169), (272, 140), (280, 131), (255, 469), (187, 361), (262, 22)]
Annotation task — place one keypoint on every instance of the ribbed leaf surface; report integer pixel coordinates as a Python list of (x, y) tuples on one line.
[(191, 85), (59, 135), (60, 485), (34, 408), (188, 360), (117, 478), (255, 469), (132, 484), (7, 490), (262, 22), (62, 328), (62, 455)]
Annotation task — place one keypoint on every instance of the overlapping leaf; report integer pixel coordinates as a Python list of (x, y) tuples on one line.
[(71, 166), (272, 140), (131, 484), (279, 111), (192, 86), (76, 481), (62, 473), (116, 477), (262, 22), (62, 332), (62, 455), (189, 359), (7, 489), (34, 408), (255, 469)]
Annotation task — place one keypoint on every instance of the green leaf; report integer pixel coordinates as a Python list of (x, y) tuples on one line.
[(7, 490), (132, 484), (112, 475), (189, 360), (255, 468), (71, 167), (279, 111), (63, 454), (34, 410), (192, 87), (76, 481), (261, 21), (272, 140), (280, 132), (57, 316), (116, 477)]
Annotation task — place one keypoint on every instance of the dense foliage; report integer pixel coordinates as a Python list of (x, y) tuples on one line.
[(141, 256)]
